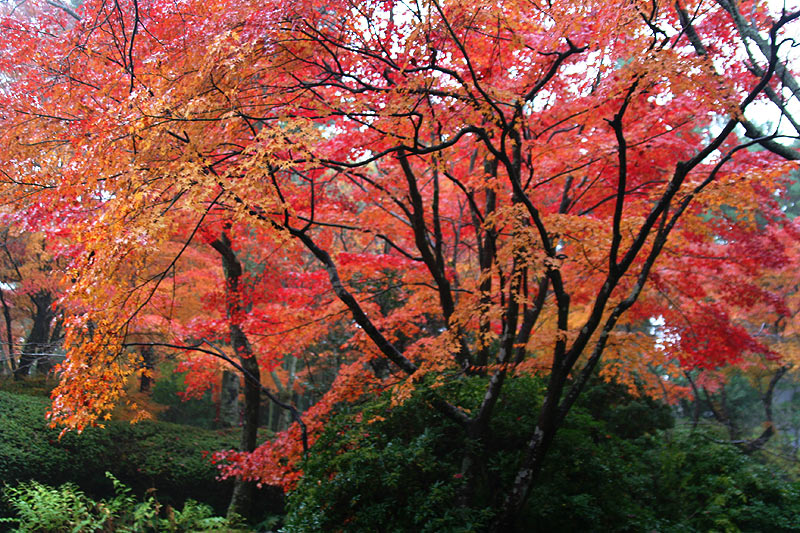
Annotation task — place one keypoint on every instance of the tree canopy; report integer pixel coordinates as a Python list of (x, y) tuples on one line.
[(463, 188)]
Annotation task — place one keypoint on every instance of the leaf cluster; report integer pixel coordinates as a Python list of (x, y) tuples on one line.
[(43, 509)]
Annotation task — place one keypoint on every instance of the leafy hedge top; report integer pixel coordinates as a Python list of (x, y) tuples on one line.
[(148, 454)]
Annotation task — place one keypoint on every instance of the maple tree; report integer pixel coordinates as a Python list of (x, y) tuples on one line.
[(771, 320), (31, 321), (484, 188)]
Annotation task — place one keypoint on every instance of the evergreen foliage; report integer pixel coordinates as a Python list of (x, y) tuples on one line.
[(618, 465), (168, 457)]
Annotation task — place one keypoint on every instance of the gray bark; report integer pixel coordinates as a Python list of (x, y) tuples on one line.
[(229, 399)]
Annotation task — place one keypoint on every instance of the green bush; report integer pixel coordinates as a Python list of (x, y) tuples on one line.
[(168, 390), (615, 466), (40, 508), (167, 457), (714, 487)]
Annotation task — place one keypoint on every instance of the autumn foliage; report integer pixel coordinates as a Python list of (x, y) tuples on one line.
[(466, 188)]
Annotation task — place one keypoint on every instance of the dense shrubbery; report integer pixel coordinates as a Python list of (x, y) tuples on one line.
[(615, 466), (144, 455)]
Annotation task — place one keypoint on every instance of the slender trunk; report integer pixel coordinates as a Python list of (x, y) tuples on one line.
[(759, 442), (696, 406), (148, 363), (252, 400), (243, 491), (11, 361), (721, 414), (285, 393)]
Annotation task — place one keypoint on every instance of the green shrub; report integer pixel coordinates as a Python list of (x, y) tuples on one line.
[(614, 466), (40, 508), (383, 475), (167, 457), (713, 487)]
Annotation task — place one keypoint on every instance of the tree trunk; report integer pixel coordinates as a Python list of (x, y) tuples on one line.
[(36, 350), (148, 363), (229, 399), (531, 465), (11, 362), (285, 392), (243, 491), (769, 430)]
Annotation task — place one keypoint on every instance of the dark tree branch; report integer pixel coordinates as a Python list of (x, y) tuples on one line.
[(219, 354)]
